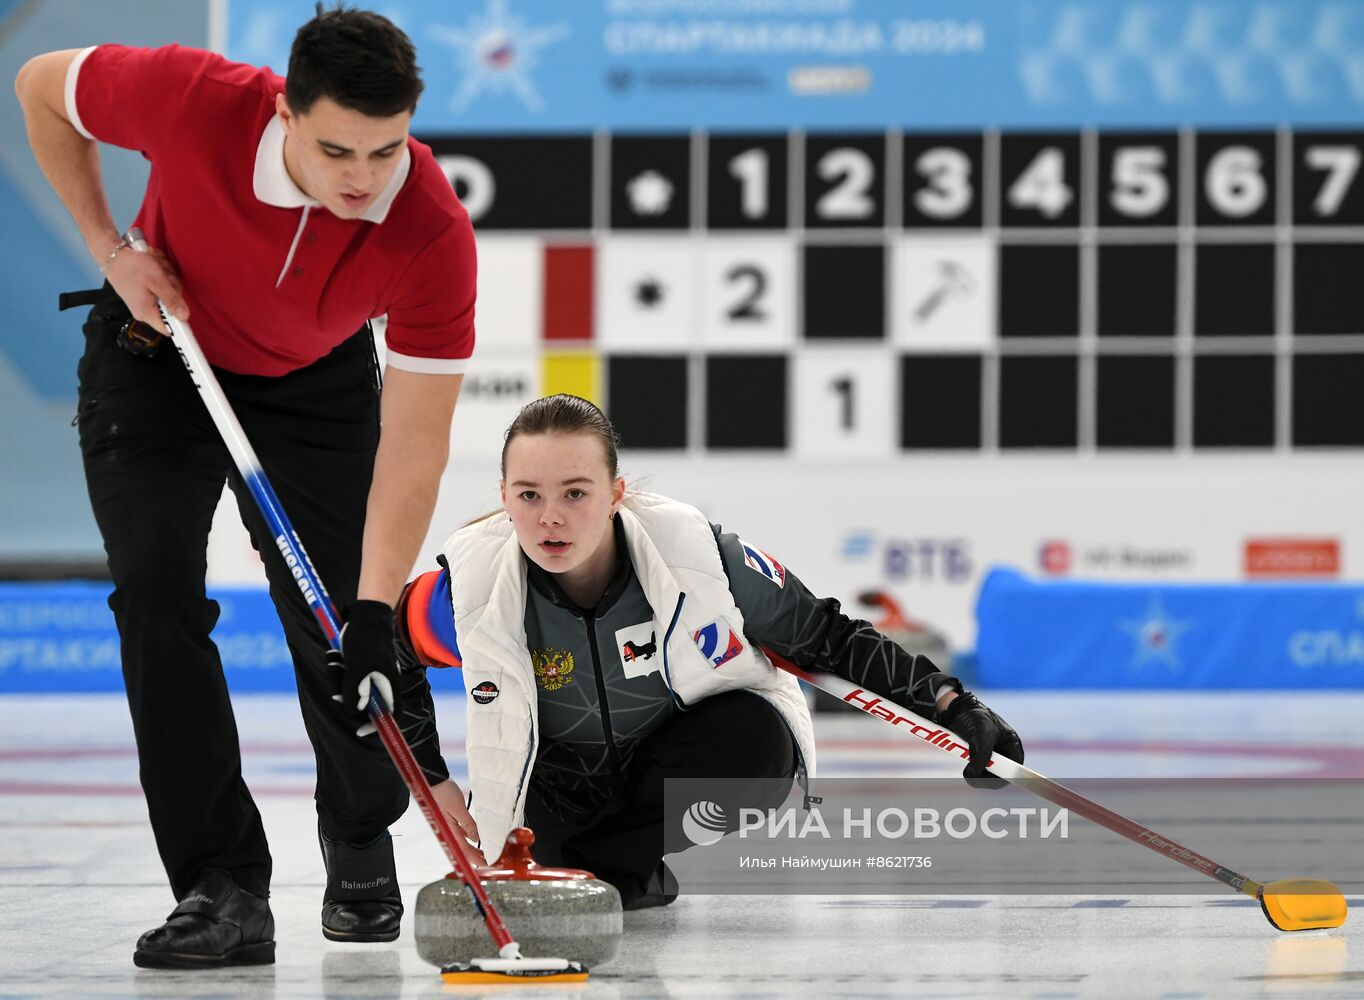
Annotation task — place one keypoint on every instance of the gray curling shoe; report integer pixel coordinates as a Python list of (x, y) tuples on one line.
[(551, 912)]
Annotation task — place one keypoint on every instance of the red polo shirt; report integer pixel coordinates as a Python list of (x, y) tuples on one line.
[(274, 280)]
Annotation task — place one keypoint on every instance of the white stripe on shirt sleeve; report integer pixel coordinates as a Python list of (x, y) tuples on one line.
[(427, 366), (69, 92)]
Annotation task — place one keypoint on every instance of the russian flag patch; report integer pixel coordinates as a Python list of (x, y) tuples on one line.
[(760, 562)]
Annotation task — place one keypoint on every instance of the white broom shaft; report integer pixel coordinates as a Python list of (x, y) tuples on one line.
[(243, 455)]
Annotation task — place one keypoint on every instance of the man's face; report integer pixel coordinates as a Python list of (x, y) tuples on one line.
[(339, 156)]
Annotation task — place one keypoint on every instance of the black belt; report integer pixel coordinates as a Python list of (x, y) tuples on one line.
[(84, 297)]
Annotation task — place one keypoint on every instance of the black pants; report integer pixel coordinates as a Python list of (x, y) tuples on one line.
[(155, 467), (732, 735)]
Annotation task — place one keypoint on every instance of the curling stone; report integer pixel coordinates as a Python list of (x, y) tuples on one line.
[(551, 912)]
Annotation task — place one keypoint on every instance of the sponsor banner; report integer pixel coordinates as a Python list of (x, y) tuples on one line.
[(930, 539), (941, 837), (60, 637), (1077, 634), (547, 65), (923, 559), (1292, 557), (1059, 557)]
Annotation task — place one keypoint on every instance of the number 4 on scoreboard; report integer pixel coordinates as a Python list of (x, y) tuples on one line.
[(1040, 179)]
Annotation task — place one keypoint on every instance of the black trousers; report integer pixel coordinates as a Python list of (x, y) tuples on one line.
[(736, 735), (155, 467)]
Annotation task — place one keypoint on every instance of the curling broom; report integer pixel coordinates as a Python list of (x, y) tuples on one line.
[(1292, 904)]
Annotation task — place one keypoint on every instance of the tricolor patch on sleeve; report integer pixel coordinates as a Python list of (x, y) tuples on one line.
[(760, 562), (431, 620), (707, 639)]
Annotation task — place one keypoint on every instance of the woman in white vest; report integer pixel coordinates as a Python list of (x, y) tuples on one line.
[(612, 639)]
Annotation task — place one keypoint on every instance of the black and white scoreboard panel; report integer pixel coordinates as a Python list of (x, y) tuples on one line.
[(875, 293)]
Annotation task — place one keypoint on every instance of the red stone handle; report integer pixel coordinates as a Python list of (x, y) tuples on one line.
[(515, 864)]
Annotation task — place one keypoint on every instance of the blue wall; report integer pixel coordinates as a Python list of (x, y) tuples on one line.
[(1072, 634), (44, 513)]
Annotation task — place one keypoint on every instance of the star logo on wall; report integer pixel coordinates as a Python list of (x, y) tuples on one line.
[(1157, 635), (497, 51)]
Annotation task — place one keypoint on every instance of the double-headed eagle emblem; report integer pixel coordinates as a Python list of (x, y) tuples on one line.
[(553, 667)]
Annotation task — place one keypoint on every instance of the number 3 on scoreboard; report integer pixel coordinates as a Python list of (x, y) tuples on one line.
[(949, 189), (942, 179)]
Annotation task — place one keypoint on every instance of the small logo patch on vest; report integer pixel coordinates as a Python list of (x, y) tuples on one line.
[(707, 639), (642, 651), (760, 562), (484, 692), (639, 652), (553, 667)]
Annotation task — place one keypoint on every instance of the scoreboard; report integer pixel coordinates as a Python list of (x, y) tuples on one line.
[(871, 228), (908, 289), (871, 293)]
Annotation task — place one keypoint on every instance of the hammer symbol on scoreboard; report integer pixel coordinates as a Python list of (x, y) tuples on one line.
[(953, 279)]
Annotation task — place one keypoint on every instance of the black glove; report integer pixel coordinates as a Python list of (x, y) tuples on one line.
[(367, 657), (985, 733)]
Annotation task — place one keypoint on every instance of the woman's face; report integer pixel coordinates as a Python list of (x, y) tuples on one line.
[(560, 495)]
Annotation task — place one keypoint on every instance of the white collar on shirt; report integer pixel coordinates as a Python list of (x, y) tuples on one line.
[(273, 185)]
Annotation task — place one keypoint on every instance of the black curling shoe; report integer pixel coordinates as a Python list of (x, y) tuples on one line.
[(362, 901), (660, 890), (217, 923)]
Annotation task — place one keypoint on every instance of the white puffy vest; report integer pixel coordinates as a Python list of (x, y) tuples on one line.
[(678, 564)]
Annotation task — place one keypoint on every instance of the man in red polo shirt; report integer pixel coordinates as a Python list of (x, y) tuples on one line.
[(284, 217)]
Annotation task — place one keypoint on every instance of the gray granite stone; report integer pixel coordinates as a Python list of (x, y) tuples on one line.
[(573, 919)]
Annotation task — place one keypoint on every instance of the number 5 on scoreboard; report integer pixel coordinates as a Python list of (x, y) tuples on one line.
[(1139, 179)]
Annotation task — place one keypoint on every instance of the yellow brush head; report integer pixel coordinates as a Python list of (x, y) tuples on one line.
[(473, 977), (1303, 904), (521, 971)]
